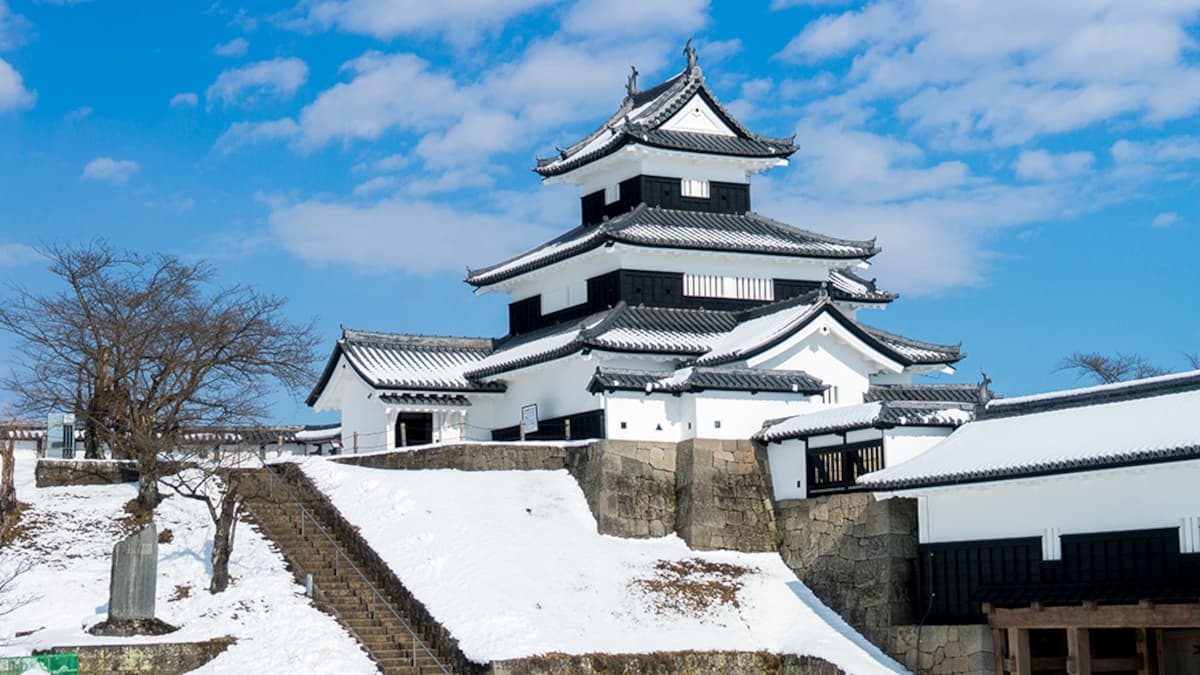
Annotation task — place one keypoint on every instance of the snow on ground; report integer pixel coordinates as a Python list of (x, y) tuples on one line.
[(70, 535), (511, 563)]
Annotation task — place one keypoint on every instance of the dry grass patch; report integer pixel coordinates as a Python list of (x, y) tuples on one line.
[(692, 586)]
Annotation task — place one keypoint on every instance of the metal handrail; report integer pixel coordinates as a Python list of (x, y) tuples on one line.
[(338, 549)]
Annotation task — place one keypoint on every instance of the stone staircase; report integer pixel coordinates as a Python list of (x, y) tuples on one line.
[(342, 586)]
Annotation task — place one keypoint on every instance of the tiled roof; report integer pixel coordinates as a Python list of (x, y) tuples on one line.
[(711, 337), (692, 230), (413, 362), (762, 328), (956, 393), (700, 379), (640, 116), (916, 351), (846, 285), (1141, 422), (426, 399), (877, 414), (623, 328)]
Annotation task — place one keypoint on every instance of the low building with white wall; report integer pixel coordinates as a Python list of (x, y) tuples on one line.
[(1074, 513)]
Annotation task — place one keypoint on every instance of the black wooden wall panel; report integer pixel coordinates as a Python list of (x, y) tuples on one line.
[(955, 578), (589, 424)]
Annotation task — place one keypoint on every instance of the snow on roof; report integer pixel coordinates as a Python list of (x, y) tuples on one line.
[(1139, 422), (511, 563), (866, 415), (846, 285), (700, 378), (412, 362), (641, 114), (671, 228), (767, 329)]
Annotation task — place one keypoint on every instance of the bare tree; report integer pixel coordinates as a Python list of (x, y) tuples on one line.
[(212, 477), (1194, 359), (10, 599), (8, 488), (1108, 369), (144, 347)]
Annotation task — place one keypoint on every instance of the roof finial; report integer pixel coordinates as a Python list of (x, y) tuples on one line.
[(690, 52), (631, 83), (985, 390)]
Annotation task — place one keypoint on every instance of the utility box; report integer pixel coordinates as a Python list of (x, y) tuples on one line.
[(60, 435)]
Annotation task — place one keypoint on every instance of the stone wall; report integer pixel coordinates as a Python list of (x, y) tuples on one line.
[(944, 650), (669, 663), (723, 499), (53, 472), (167, 658), (629, 486), (856, 553), (467, 457)]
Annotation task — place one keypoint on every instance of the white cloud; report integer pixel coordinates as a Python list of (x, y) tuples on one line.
[(1003, 73), (110, 170), (242, 134), (388, 93), (13, 94), (16, 254), (461, 21), (632, 18), (234, 48), (276, 78), (376, 185), (1158, 151), (412, 234), (393, 162), (80, 113), (1165, 219), (14, 28), (184, 100), (1041, 165)]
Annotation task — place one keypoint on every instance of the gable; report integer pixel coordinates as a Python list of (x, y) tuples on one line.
[(697, 116)]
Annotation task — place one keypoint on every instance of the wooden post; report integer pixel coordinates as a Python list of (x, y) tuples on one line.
[(404, 434), (1000, 649), (1143, 650), (356, 442), (1018, 648), (521, 426), (279, 451), (1079, 651), (462, 428), (568, 424)]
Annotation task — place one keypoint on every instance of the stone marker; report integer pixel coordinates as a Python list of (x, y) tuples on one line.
[(132, 586), (134, 576)]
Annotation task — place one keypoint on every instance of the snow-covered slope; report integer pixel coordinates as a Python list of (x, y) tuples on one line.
[(511, 563), (70, 538)]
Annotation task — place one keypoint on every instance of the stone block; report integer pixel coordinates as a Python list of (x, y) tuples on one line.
[(134, 576)]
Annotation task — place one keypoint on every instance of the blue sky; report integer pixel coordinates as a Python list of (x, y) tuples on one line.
[(1028, 167)]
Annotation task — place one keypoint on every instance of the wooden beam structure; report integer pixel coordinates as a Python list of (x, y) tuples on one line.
[(1090, 615)]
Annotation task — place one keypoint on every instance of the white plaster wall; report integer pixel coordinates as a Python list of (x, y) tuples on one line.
[(1134, 498), (558, 388), (852, 436), (657, 417), (741, 414), (826, 357), (789, 469), (633, 160), (363, 415), (698, 117), (903, 443)]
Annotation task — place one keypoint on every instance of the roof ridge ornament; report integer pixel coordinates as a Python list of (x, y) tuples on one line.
[(631, 82), (690, 52)]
